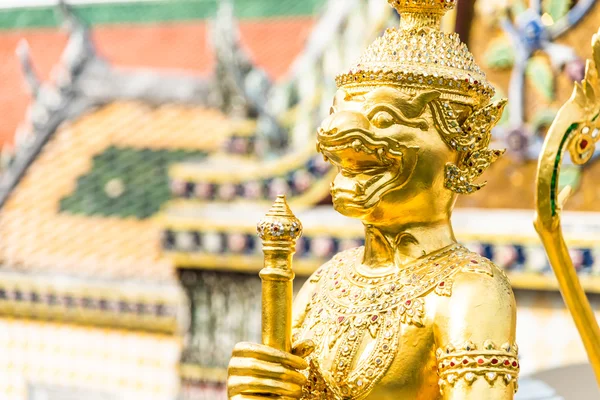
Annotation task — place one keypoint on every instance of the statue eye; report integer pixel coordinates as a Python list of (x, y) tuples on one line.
[(383, 120)]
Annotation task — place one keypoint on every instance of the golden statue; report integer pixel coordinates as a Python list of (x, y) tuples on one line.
[(412, 314)]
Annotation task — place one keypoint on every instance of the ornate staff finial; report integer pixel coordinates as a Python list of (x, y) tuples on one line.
[(278, 230), (279, 224)]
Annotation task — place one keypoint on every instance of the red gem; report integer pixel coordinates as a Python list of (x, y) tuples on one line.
[(474, 262), (465, 361), (480, 361), (476, 82), (374, 318), (343, 290), (494, 361), (275, 228), (452, 364), (514, 364), (583, 144), (340, 319), (507, 363), (408, 302), (441, 284)]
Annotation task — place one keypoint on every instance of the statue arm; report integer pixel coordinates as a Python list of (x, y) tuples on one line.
[(475, 338)]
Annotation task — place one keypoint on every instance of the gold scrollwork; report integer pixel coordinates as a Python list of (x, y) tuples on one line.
[(582, 143)]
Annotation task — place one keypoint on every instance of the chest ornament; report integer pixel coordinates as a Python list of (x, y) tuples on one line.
[(470, 362), (349, 309)]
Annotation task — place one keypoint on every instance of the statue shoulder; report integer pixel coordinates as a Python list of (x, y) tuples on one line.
[(477, 323), (479, 274), (474, 272), (481, 302)]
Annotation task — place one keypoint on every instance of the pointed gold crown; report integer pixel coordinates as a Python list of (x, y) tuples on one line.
[(418, 56)]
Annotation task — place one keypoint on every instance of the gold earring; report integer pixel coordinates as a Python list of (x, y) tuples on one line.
[(460, 180)]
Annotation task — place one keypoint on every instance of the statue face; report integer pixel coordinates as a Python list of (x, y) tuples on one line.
[(389, 156)]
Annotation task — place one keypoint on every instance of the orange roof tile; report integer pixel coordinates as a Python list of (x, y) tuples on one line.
[(36, 236), (272, 43)]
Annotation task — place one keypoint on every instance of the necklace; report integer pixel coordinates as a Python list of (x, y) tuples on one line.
[(347, 306)]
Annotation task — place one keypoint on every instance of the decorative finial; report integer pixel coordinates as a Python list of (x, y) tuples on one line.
[(279, 230), (423, 6), (421, 13), (279, 224)]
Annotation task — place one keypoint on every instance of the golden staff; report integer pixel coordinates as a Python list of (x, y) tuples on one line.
[(576, 128), (279, 230)]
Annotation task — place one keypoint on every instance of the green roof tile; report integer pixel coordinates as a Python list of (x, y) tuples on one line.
[(126, 183)]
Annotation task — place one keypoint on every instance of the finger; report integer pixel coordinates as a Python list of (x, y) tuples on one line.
[(260, 386), (242, 366), (303, 348), (269, 354)]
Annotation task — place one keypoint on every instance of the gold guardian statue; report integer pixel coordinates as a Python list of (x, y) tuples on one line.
[(412, 314)]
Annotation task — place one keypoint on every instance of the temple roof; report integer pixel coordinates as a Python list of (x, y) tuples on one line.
[(512, 186), (82, 192), (183, 45), (83, 206)]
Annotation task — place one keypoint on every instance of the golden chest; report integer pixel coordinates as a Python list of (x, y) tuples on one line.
[(356, 322)]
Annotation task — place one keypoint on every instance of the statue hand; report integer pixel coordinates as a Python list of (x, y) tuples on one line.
[(257, 372)]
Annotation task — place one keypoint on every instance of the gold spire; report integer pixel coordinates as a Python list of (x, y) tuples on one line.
[(422, 7), (419, 56), (421, 13)]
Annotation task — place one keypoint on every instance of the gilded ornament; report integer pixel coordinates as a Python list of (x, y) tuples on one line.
[(576, 130), (469, 363)]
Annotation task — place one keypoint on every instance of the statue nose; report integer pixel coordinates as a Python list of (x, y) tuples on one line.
[(343, 120)]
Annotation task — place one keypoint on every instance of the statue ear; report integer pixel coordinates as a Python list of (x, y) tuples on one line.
[(427, 97), (343, 95), (415, 107)]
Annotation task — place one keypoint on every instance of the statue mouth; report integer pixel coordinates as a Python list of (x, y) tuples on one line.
[(369, 166)]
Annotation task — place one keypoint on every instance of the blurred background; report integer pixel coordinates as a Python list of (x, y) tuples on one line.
[(142, 141)]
